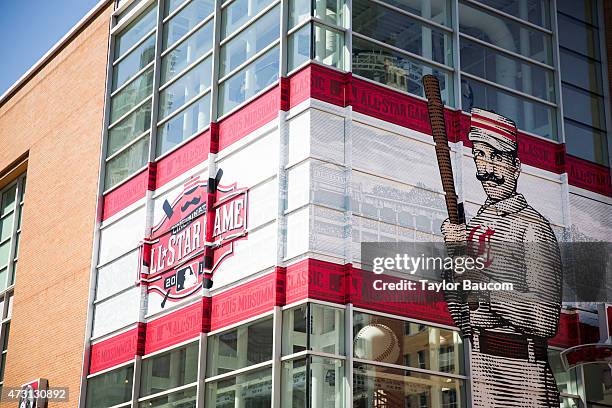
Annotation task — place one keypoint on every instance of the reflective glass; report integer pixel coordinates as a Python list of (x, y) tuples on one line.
[(397, 29), (299, 47), (585, 10), (129, 128), (181, 23), (583, 107), (396, 70), (531, 116), (328, 46), (578, 37), (187, 52), (581, 71), (4, 253), (249, 42), (3, 278), (249, 81), (325, 377), (567, 381), (135, 31), (171, 5), (6, 226), (435, 10), (313, 327), (253, 389), (131, 95), (134, 62), (240, 347), (169, 370), (299, 10), (238, 12), (111, 388), (8, 200), (127, 162), (184, 125), (181, 399), (330, 11), (188, 86), (511, 72), (505, 33), (585, 142), (534, 11)]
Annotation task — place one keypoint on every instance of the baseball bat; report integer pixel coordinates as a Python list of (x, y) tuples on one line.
[(435, 108)]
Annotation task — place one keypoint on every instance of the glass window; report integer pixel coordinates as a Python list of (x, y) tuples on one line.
[(8, 200), (585, 10), (435, 10), (329, 46), (4, 254), (325, 380), (181, 127), (187, 52), (299, 47), (531, 116), (534, 11), (252, 389), (238, 12), (418, 345), (313, 327), (249, 81), (171, 5), (129, 128), (183, 399), (581, 71), (585, 142), (578, 37), (583, 107), (169, 370), (185, 20), (567, 381), (134, 62), (397, 29), (486, 63), (374, 383), (505, 33), (110, 388), (135, 31), (249, 42), (299, 11), (240, 347), (396, 70), (6, 226), (330, 11), (131, 95), (185, 88), (127, 162)]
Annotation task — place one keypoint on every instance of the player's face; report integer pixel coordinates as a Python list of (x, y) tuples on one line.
[(497, 171)]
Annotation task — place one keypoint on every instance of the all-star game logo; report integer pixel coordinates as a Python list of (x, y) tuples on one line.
[(179, 244)]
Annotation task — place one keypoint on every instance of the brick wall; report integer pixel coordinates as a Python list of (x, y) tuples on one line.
[(56, 119)]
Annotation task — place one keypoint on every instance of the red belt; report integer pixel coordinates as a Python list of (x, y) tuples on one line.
[(510, 345)]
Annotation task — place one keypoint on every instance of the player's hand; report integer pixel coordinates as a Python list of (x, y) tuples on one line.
[(453, 232)]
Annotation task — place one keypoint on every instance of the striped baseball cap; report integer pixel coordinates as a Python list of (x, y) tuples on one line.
[(493, 129)]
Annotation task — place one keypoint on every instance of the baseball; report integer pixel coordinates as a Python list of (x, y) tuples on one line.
[(377, 342)]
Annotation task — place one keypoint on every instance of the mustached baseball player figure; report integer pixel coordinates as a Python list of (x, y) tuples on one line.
[(508, 329)]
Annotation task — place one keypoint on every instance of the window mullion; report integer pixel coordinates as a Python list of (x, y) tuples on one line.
[(12, 247), (156, 81)]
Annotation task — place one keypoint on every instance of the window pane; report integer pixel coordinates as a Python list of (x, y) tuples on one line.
[(293, 387), (398, 30), (500, 68), (567, 381), (8, 200), (134, 62), (129, 128), (7, 330), (396, 70), (419, 345), (238, 13), (534, 11), (319, 329), (249, 81), (581, 71), (171, 5), (412, 388), (435, 10), (187, 52), (329, 46), (247, 390), (6, 226), (299, 47), (583, 107), (127, 162), (585, 10), (4, 253), (585, 142), (135, 31), (184, 125), (299, 10), (131, 95), (326, 381), (185, 20), (182, 399), (578, 37), (9, 312), (250, 41), (111, 388), (241, 347), (169, 370), (330, 11), (505, 33), (3, 277), (529, 115), (188, 86)]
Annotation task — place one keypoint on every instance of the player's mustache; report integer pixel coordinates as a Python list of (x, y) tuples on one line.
[(490, 177)]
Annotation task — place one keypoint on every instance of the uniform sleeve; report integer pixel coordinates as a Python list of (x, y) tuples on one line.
[(534, 309)]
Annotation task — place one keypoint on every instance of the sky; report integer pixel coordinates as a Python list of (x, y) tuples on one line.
[(29, 28)]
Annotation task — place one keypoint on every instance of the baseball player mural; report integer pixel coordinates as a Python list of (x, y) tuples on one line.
[(508, 329)]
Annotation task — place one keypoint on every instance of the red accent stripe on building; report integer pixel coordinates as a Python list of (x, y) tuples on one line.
[(588, 175), (114, 351), (126, 194), (174, 328), (186, 157)]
